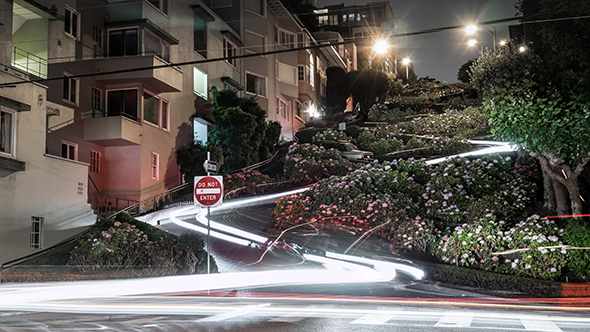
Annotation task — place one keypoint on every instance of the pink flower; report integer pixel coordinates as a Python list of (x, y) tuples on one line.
[(495, 259), (117, 224)]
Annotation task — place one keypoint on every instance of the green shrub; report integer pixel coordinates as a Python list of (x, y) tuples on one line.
[(353, 131), (246, 181), (308, 163), (305, 136), (577, 234), (195, 256)]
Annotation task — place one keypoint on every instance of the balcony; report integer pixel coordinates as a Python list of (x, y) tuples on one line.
[(112, 130), (166, 79), (29, 62)]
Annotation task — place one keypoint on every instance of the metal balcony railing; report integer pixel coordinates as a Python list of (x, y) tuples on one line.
[(29, 62)]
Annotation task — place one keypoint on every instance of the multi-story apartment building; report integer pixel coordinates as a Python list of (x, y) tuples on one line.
[(127, 83), (363, 25)]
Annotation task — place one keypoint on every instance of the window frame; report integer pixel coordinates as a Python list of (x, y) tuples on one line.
[(162, 5), (298, 109), (205, 94), (264, 79), (164, 46), (162, 123), (97, 35), (301, 73), (12, 143), (122, 113), (198, 22), (97, 98), (289, 41), (138, 46), (155, 169), (69, 15), (294, 70), (69, 144), (69, 79), (95, 161), (228, 46), (283, 109), (36, 240)]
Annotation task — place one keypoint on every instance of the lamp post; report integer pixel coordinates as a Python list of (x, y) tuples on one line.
[(471, 29), (379, 48), (406, 62)]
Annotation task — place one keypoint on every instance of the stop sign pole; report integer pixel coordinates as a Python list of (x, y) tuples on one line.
[(208, 192)]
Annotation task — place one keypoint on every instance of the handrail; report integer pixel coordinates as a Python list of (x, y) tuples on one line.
[(40, 252)]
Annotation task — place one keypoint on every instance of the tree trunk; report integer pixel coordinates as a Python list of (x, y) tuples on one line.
[(548, 192), (559, 171), (560, 198)]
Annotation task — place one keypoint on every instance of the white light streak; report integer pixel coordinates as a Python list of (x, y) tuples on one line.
[(490, 150)]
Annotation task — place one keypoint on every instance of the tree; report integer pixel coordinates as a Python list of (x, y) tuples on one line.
[(367, 87), (191, 157), (240, 128), (336, 91), (528, 106), (463, 74)]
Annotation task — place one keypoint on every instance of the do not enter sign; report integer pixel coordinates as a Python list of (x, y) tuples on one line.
[(208, 190)]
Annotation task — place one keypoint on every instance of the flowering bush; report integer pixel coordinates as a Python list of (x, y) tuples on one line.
[(329, 135), (383, 112), (469, 121), (123, 246), (414, 234), (309, 163), (474, 245), (379, 141), (246, 181)]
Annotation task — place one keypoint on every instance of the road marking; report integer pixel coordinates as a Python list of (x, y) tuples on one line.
[(455, 320), (538, 323), (286, 319), (232, 314), (376, 319)]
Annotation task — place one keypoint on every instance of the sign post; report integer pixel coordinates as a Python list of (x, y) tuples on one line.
[(209, 193)]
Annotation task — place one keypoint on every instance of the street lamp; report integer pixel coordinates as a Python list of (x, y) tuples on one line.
[(406, 62), (471, 29), (380, 46)]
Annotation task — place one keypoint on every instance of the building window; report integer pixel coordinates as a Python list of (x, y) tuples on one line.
[(71, 86), (72, 23), (351, 17), (344, 18), (298, 109), (311, 71), (123, 42), (162, 5), (323, 20), (220, 3), (284, 38), (287, 74), (122, 103), (155, 110), (301, 73), (200, 36), (95, 161), (156, 46), (255, 43), (155, 164), (69, 150), (97, 35), (36, 232), (256, 6), (283, 109), (378, 15), (333, 20), (256, 84), (7, 131), (229, 52), (302, 40), (96, 99), (200, 83)]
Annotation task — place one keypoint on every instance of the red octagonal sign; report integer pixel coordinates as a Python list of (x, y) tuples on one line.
[(208, 190)]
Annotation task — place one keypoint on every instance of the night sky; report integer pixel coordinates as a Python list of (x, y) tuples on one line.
[(439, 55)]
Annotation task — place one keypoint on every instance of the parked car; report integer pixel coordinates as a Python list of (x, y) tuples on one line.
[(348, 150)]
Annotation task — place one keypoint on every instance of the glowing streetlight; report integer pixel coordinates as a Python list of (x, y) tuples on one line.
[(473, 42), (522, 49), (406, 62), (380, 46), (471, 29), (503, 42)]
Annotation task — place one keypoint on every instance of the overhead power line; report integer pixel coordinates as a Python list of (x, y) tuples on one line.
[(320, 45)]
